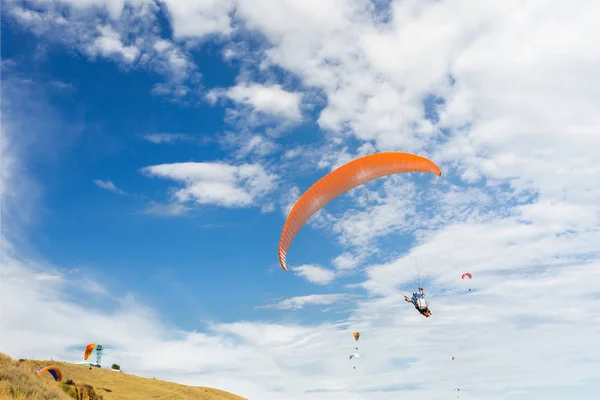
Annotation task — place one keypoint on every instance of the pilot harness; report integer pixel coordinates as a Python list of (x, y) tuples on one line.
[(421, 304)]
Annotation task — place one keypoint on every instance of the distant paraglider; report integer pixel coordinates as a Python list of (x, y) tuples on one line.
[(52, 370), (467, 275), (356, 336), (88, 350)]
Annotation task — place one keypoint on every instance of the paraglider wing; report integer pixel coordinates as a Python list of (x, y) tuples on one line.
[(356, 336), (354, 355), (343, 179), (468, 275), (55, 372), (88, 350)]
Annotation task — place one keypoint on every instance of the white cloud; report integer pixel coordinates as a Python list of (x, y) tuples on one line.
[(491, 251), (62, 86), (173, 62), (394, 211), (109, 43), (267, 208), (268, 99), (171, 209), (315, 274), (26, 115), (195, 19), (114, 7), (298, 302), (249, 145), (129, 37), (13, 188), (347, 261), (158, 138), (216, 183), (108, 185)]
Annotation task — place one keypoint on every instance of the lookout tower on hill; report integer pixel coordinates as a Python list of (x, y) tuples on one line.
[(98, 354)]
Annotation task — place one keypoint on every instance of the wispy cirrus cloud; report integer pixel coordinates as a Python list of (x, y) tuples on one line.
[(347, 261), (167, 210), (158, 138), (127, 37), (109, 185), (299, 302), (248, 145)]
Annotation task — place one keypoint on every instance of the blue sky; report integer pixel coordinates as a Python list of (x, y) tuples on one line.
[(152, 150)]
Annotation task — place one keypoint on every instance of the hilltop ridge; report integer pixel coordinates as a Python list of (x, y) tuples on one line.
[(18, 380)]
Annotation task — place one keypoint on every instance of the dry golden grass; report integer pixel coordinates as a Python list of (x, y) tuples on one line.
[(106, 383), (18, 381)]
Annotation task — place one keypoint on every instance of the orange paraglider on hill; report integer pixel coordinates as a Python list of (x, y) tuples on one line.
[(54, 371)]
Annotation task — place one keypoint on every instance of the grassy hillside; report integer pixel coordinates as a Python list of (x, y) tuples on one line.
[(19, 381)]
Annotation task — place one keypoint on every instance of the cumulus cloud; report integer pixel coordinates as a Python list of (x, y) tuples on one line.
[(257, 107), (216, 183), (109, 44), (315, 274), (192, 19), (268, 99)]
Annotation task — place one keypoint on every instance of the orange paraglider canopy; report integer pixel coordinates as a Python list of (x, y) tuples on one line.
[(54, 371), (88, 350), (467, 274), (343, 179)]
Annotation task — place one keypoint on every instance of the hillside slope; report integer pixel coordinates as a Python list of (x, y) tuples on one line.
[(106, 383)]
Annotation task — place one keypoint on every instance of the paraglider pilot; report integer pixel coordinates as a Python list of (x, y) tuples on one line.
[(419, 302)]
